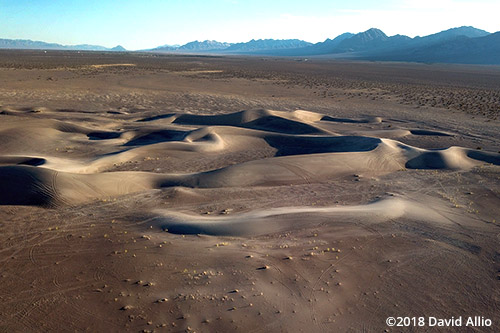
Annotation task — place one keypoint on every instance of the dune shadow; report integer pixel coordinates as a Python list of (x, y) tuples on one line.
[(158, 117), (258, 120), (344, 120), (492, 158), (75, 111), (35, 161), (26, 185), (182, 229), (428, 160), (22, 160), (102, 135), (290, 145), (428, 132), (281, 125), (447, 159), (157, 137)]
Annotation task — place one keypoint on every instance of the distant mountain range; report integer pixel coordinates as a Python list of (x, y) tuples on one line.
[(253, 46), (26, 44), (266, 45), (458, 45), (466, 45), (375, 42)]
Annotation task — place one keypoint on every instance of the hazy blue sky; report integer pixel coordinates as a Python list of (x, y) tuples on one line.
[(138, 24)]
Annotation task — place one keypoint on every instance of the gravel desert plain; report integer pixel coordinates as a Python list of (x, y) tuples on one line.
[(169, 193)]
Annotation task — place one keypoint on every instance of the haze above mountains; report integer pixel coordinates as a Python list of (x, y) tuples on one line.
[(466, 45)]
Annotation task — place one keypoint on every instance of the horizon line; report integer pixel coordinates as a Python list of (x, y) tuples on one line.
[(214, 40)]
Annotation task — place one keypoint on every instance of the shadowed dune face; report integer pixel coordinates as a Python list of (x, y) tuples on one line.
[(272, 121), (156, 137), (21, 160), (299, 145), (302, 152), (21, 185)]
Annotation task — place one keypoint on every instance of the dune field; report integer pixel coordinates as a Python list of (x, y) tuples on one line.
[(141, 192)]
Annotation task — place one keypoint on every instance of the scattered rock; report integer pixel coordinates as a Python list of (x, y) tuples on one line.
[(162, 300)]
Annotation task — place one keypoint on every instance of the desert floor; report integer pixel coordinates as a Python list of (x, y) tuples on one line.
[(143, 192)]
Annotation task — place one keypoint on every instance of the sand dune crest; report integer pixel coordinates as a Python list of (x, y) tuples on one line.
[(302, 154)]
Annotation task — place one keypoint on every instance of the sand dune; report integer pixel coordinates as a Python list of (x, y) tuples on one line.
[(299, 157), (27, 185), (261, 222), (280, 219), (296, 122)]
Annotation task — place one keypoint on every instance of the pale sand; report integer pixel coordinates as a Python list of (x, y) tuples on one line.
[(313, 155)]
